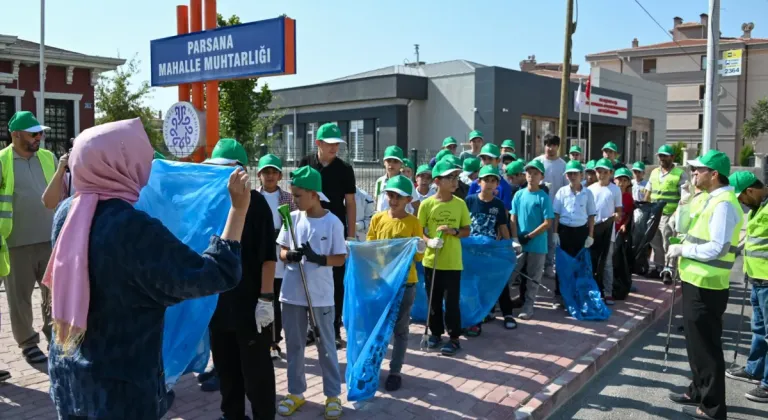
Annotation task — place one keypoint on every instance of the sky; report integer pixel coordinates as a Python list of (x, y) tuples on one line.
[(336, 38)]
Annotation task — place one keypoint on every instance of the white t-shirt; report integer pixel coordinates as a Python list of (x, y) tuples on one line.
[(381, 198), (273, 199), (606, 200), (326, 237), (553, 175), (432, 191)]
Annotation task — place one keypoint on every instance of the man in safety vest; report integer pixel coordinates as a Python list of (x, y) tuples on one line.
[(664, 185), (753, 194), (706, 257), (25, 229)]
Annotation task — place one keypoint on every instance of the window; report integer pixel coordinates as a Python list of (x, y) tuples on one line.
[(703, 61), (59, 115), (311, 131), (290, 146), (7, 108), (701, 121), (702, 91), (357, 140), (649, 65)]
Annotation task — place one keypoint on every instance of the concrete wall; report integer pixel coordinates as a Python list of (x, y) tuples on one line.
[(447, 112), (677, 63)]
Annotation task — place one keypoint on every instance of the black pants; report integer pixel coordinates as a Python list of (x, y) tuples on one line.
[(572, 242), (599, 250), (447, 285), (245, 369), (505, 302), (338, 297), (277, 325), (703, 311), (523, 282)]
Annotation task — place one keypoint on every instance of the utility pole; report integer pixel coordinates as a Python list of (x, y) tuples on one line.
[(41, 110), (570, 28), (709, 129)]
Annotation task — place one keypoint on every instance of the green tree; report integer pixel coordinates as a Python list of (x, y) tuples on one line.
[(757, 124), (677, 150), (118, 99)]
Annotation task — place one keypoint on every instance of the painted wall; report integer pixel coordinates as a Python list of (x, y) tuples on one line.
[(448, 111)]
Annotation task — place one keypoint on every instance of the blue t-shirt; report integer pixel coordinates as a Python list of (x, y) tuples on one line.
[(531, 208), (503, 191), (486, 216)]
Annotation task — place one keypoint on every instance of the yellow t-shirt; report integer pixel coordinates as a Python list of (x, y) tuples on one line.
[(433, 214), (383, 226)]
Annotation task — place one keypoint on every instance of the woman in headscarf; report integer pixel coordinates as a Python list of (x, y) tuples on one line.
[(113, 272)]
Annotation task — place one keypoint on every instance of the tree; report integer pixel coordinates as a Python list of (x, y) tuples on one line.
[(116, 99), (241, 106), (757, 124)]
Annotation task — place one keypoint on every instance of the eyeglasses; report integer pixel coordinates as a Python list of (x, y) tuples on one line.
[(33, 135)]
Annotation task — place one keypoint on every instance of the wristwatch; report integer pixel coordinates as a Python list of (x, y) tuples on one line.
[(457, 232)]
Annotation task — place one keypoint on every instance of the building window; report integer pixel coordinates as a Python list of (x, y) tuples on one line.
[(290, 145), (311, 131), (703, 62), (701, 121), (357, 140), (649, 65), (59, 115), (702, 91), (7, 109)]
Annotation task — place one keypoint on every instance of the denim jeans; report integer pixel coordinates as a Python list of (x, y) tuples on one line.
[(400, 344), (756, 365)]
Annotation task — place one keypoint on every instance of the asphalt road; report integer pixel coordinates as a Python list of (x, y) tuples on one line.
[(634, 385)]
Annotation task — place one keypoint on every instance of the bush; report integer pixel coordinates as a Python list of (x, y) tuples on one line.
[(678, 149), (746, 152)]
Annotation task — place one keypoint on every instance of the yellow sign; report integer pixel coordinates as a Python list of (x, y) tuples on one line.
[(732, 54), (731, 63)]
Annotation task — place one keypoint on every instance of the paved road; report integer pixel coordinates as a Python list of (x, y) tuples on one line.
[(634, 386)]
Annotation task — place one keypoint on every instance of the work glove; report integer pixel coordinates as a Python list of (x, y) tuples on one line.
[(312, 256), (294, 256), (435, 243), (556, 239), (589, 242), (421, 246), (675, 251), (517, 247), (265, 314), (359, 226), (523, 238)]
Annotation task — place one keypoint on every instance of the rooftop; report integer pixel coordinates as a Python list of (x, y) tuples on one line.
[(430, 70), (12, 47), (683, 43)]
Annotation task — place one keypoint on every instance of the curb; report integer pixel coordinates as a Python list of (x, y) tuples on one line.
[(564, 387)]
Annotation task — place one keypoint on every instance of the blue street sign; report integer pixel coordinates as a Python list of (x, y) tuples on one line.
[(263, 48)]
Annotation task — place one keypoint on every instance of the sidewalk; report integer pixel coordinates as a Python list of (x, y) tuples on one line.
[(525, 373)]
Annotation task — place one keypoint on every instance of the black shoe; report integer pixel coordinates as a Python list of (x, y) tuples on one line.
[(393, 383), (211, 385), (509, 322), (517, 303), (666, 277), (450, 348), (4, 375), (693, 413), (741, 374), (758, 394), (34, 355), (203, 377), (310, 338), (682, 399)]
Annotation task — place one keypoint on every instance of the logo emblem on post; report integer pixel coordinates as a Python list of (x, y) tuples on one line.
[(183, 129)]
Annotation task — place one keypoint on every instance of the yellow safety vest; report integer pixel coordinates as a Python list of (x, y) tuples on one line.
[(713, 274), (756, 245), (667, 189), (47, 162)]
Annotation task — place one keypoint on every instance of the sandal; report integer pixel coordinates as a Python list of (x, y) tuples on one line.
[(510, 323), (332, 408), (34, 355), (4, 375), (289, 405)]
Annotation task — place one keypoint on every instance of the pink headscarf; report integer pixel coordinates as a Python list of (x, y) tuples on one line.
[(108, 161)]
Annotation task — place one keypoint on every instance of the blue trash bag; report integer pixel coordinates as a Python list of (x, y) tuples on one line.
[(192, 201), (579, 288), (374, 283), (488, 265)]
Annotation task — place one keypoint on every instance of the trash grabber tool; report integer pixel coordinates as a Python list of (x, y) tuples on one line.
[(675, 278), (741, 320), (425, 337)]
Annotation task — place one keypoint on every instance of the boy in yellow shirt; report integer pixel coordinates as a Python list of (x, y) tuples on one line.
[(394, 223)]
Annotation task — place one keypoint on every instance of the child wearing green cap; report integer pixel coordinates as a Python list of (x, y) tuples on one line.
[(425, 188), (393, 163), (638, 183), (408, 169), (609, 204), (476, 142), (590, 174), (394, 223), (319, 246), (470, 166)]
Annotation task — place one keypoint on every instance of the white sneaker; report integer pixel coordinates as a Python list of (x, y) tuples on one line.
[(526, 313), (549, 272), (274, 352)]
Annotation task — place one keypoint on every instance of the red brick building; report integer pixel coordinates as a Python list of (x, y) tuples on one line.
[(70, 78)]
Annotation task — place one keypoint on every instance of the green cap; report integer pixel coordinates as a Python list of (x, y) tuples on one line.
[(25, 121), (714, 160), (604, 163), (610, 146), (444, 168), (741, 180), (329, 133), (423, 169), (455, 161), (471, 164), (638, 166), (400, 185), (450, 141), (489, 170), (441, 154), (408, 164), (521, 160), (228, 152), (590, 166), (159, 155), (508, 143), (490, 150), (665, 150), (536, 164), (308, 178), (575, 149), (393, 152), (573, 166), (270, 161), (476, 134), (623, 172), (515, 168)]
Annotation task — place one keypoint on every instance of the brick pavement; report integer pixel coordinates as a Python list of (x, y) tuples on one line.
[(502, 374)]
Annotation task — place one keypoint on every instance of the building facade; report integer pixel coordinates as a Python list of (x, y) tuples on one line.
[(681, 66), (70, 78)]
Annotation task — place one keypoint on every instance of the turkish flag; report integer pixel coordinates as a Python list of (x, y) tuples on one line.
[(589, 86)]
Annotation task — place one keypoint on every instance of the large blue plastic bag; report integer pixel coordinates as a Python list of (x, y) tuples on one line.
[(488, 265), (579, 288), (374, 283), (192, 201)]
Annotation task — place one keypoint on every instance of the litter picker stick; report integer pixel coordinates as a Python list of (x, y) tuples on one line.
[(424, 338), (741, 319), (285, 214), (676, 276), (520, 273)]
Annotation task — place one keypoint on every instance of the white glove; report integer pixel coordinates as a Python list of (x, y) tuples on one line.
[(556, 239), (421, 246), (359, 226), (675, 251), (589, 242), (435, 243), (265, 314), (517, 247)]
